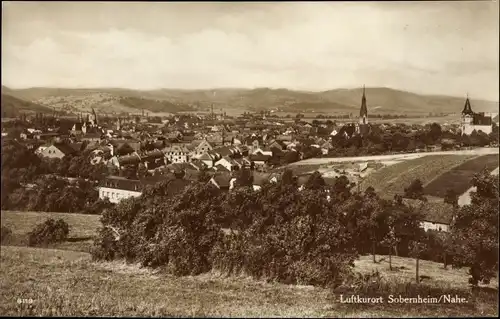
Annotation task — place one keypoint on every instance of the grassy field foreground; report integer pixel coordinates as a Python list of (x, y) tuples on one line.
[(65, 282)]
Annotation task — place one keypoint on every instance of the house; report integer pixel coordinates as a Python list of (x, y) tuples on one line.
[(198, 165), (285, 138), (259, 159), (177, 153), (229, 151), (121, 161), (223, 181), (243, 162), (153, 160), (263, 151), (125, 147), (26, 135), (260, 179), (437, 215), (56, 150), (32, 144), (229, 163), (47, 136), (101, 155), (277, 144), (200, 147), (79, 129), (117, 188), (221, 168), (242, 149), (207, 158), (91, 137)]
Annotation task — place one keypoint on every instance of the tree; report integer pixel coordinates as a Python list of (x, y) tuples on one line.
[(416, 248), (367, 218), (415, 190), (287, 178), (475, 231), (390, 240), (435, 132), (315, 181), (405, 220), (451, 197)]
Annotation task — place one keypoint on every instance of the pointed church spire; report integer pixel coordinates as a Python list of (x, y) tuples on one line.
[(467, 109), (364, 110)]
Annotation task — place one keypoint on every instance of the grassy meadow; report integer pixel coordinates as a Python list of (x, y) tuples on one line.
[(392, 179), (61, 281), (458, 178)]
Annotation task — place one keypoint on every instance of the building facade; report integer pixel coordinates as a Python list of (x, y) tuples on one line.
[(118, 188), (475, 121)]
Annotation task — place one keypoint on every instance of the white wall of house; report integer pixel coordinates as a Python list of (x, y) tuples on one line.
[(468, 129), (224, 163), (259, 150), (209, 163), (426, 225), (177, 157), (203, 147), (50, 152), (116, 195)]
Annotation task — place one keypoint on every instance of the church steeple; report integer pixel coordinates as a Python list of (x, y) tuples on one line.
[(363, 112), (467, 109)]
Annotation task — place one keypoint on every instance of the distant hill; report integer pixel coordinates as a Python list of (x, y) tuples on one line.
[(12, 107), (380, 100), (154, 105)]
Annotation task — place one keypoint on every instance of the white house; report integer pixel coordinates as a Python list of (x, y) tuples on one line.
[(228, 163), (117, 188), (177, 153)]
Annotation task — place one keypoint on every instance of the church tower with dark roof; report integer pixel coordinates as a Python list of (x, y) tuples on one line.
[(467, 117), (363, 112)]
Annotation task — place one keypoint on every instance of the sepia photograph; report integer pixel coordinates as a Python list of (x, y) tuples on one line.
[(268, 159)]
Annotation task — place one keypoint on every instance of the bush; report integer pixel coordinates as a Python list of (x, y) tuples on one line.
[(6, 234), (105, 245), (286, 237), (48, 232), (163, 228)]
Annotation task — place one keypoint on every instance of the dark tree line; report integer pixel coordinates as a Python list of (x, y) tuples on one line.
[(32, 183)]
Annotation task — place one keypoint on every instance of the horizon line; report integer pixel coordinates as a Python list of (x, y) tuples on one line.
[(466, 95)]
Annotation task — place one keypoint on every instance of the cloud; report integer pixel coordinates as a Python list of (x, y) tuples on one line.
[(312, 46)]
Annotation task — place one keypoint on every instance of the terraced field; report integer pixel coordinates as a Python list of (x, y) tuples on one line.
[(392, 179), (458, 178)]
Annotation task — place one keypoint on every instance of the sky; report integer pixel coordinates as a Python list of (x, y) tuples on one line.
[(449, 48)]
